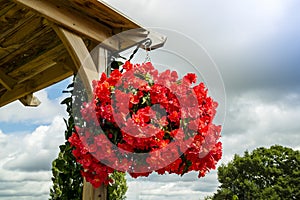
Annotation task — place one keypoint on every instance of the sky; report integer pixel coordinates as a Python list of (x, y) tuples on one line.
[(256, 46)]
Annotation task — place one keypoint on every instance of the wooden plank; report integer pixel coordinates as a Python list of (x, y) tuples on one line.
[(10, 27), (38, 64), (22, 33), (31, 44), (11, 15), (103, 12), (44, 79), (17, 26), (7, 81), (5, 7), (4, 51), (2, 89), (54, 11)]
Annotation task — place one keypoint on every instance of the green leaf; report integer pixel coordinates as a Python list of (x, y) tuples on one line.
[(71, 85), (66, 100)]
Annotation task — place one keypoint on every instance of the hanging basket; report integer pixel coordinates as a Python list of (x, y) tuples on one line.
[(142, 121)]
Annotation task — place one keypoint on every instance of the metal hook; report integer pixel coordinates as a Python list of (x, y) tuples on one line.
[(147, 44), (148, 48)]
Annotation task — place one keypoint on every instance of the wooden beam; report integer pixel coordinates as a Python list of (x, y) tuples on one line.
[(30, 100), (81, 57), (87, 72), (44, 79), (7, 81), (73, 20), (39, 64)]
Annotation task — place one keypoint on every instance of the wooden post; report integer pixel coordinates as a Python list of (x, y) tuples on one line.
[(90, 193), (88, 72)]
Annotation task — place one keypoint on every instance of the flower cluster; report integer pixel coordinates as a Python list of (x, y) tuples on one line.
[(143, 121)]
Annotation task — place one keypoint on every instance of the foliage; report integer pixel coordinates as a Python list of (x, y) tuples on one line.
[(117, 190), (272, 173), (67, 179), (143, 121)]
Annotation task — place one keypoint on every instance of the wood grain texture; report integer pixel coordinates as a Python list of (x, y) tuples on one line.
[(81, 56), (90, 193), (39, 64), (48, 77), (73, 20)]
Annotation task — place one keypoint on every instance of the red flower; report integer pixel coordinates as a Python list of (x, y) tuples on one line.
[(127, 66), (191, 78), (174, 116), (142, 117), (115, 76), (135, 99), (179, 137), (174, 76)]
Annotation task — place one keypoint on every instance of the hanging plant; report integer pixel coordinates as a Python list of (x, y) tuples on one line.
[(67, 179), (142, 121)]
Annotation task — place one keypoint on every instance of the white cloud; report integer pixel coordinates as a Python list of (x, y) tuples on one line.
[(171, 187), (44, 113), (253, 42), (25, 161), (233, 21), (252, 122), (2, 138)]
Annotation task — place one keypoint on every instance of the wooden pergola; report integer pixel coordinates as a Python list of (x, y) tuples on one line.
[(43, 42)]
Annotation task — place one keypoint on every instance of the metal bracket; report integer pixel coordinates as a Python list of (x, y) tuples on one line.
[(137, 37)]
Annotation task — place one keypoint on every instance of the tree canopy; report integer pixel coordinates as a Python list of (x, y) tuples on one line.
[(265, 173)]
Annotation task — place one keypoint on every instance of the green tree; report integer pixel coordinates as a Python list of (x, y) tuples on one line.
[(272, 173)]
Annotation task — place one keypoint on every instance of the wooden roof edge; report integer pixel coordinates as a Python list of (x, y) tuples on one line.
[(117, 12), (57, 13)]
